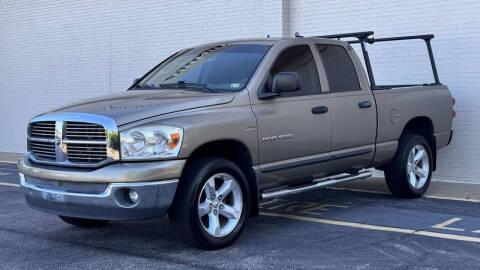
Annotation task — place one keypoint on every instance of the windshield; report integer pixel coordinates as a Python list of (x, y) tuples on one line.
[(219, 68)]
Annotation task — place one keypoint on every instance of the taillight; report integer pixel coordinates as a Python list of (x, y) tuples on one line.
[(454, 113)]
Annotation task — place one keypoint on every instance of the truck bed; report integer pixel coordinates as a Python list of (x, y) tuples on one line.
[(397, 106)]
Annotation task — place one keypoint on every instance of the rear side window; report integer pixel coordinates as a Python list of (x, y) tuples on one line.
[(341, 74), (298, 59)]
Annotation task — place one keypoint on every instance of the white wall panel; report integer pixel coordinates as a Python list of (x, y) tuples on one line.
[(456, 46), (56, 52)]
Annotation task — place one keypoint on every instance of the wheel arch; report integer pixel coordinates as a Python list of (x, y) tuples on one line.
[(238, 153), (423, 125)]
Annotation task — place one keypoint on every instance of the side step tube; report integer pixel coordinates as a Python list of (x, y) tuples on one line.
[(318, 183)]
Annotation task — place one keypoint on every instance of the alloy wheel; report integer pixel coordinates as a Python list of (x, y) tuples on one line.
[(220, 205), (418, 166)]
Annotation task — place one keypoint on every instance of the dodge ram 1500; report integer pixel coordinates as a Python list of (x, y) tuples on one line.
[(213, 130)]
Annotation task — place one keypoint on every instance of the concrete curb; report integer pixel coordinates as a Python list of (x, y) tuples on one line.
[(469, 192), (7, 157)]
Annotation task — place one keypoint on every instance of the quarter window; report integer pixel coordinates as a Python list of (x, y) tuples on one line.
[(339, 68)]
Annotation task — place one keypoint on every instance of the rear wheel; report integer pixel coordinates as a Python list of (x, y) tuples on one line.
[(409, 173), (211, 204), (83, 222)]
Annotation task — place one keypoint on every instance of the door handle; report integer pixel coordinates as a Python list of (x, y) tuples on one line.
[(365, 104), (319, 110)]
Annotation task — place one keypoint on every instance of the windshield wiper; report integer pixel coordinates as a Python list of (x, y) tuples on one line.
[(144, 86), (186, 85)]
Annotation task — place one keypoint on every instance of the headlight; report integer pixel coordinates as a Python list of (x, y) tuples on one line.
[(151, 142)]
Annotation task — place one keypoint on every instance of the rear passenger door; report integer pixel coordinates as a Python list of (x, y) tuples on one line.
[(352, 109)]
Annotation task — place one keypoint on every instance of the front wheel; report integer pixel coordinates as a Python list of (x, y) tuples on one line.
[(211, 203), (409, 173)]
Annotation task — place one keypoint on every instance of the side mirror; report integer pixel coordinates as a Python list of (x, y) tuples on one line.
[(285, 82), (135, 81)]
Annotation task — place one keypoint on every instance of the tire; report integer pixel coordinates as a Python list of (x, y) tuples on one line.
[(409, 173), (216, 222), (84, 223)]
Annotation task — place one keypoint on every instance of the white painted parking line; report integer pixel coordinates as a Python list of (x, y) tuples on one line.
[(376, 227), (424, 196), (444, 225), (451, 198), (9, 184)]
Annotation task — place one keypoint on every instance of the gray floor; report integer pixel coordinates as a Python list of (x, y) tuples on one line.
[(324, 229)]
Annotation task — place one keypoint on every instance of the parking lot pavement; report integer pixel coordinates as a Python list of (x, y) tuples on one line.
[(323, 229), (8, 175)]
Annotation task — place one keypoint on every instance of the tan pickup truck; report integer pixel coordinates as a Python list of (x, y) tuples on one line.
[(215, 129)]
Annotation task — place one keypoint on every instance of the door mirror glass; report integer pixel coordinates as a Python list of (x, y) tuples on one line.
[(285, 82)]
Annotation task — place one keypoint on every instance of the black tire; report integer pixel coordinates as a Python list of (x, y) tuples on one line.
[(396, 173), (184, 211), (83, 222)]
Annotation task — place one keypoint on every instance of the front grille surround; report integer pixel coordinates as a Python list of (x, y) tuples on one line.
[(76, 140)]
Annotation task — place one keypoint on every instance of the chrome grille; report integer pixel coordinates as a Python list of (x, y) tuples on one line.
[(86, 142), (91, 153), (39, 134), (44, 150), (84, 131), (42, 129), (72, 142)]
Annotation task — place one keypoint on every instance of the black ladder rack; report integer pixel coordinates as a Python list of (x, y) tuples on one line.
[(364, 37)]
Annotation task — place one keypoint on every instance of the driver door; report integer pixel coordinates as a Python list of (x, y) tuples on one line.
[(294, 128)]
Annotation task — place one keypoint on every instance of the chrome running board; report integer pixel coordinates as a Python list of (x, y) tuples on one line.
[(317, 183)]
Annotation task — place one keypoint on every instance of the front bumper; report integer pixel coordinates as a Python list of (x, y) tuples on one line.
[(61, 191)]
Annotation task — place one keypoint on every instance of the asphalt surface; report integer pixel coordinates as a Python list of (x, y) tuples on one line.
[(323, 229)]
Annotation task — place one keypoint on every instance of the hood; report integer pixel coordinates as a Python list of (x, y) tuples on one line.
[(135, 105)]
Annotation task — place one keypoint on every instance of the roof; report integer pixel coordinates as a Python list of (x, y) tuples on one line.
[(266, 41)]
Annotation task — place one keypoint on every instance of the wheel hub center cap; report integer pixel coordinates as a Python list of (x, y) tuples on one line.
[(411, 167)]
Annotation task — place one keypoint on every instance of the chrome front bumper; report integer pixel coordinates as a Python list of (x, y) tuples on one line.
[(61, 191)]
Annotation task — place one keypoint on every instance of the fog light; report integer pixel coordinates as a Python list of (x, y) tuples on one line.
[(133, 196)]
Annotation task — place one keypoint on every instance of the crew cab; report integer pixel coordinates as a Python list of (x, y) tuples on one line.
[(215, 129)]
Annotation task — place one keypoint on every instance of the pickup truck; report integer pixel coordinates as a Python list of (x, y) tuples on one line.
[(213, 130)]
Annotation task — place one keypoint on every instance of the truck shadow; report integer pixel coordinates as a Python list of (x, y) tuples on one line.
[(156, 238)]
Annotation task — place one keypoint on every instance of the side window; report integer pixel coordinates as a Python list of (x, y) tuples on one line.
[(339, 68), (297, 59)]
